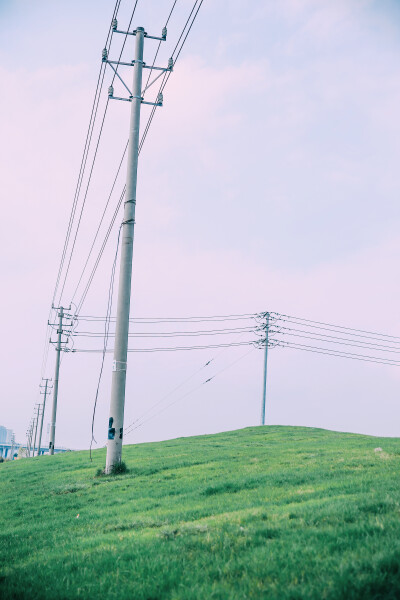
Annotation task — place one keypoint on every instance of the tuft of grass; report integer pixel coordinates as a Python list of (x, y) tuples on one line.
[(117, 469), (284, 513)]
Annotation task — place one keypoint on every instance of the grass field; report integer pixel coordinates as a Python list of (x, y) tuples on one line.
[(267, 512)]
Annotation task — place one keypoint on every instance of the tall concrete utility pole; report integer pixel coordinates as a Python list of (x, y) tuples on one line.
[(265, 370), (118, 386), (56, 376), (47, 389), (36, 426)]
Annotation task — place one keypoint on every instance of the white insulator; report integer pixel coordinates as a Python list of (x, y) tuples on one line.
[(104, 54), (160, 98), (114, 24), (164, 33), (170, 63), (110, 91)]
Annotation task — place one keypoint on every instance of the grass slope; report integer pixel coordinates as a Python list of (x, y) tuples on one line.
[(267, 512)]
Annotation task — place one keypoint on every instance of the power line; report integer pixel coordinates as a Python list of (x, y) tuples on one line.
[(373, 333), (197, 319), (100, 254), (158, 49), (338, 340), (141, 143), (95, 155), (85, 152), (169, 394), (101, 221), (140, 424), (172, 349), (170, 334), (332, 352), (167, 76)]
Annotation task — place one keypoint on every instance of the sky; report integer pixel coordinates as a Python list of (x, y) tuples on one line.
[(268, 182)]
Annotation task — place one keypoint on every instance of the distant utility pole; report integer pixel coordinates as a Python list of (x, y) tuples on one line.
[(36, 426), (12, 446), (265, 369), (61, 315), (117, 404), (27, 441), (47, 389), (30, 432)]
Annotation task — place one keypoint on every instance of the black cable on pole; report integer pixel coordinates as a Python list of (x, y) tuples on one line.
[(106, 332)]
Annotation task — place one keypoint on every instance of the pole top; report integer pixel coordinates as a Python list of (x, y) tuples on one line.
[(140, 29)]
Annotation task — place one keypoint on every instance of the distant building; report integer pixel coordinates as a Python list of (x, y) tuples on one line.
[(5, 435)]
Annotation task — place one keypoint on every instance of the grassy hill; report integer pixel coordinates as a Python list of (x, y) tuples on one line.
[(267, 512)]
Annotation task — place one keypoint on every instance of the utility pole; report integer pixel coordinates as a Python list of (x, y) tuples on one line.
[(12, 446), (47, 389), (27, 442), (118, 386), (265, 369), (30, 439), (37, 421), (56, 376)]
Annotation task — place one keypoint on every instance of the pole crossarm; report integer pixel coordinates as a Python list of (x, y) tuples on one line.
[(114, 26)]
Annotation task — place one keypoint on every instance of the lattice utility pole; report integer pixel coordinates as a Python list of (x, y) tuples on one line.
[(117, 404), (265, 369), (47, 389)]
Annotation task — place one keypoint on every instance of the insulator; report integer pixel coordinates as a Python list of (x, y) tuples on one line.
[(164, 33), (160, 98), (114, 24), (110, 91), (170, 63), (104, 54)]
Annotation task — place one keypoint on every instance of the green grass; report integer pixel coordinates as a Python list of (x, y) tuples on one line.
[(267, 512)]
